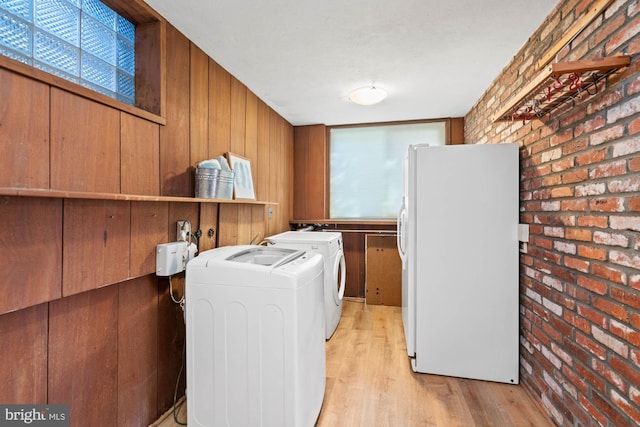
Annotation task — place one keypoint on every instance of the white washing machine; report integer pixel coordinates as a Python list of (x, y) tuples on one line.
[(255, 337), (329, 244)]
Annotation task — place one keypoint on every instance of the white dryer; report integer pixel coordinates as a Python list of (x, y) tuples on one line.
[(329, 245), (255, 337)]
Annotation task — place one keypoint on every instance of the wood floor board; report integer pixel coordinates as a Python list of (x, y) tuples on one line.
[(370, 383)]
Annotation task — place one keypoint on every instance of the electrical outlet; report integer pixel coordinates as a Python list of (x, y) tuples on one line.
[(270, 213), (183, 229)]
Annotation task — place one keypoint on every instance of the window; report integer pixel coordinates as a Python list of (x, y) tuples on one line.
[(365, 162), (82, 41)]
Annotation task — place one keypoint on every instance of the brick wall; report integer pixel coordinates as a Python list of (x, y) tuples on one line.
[(580, 193)]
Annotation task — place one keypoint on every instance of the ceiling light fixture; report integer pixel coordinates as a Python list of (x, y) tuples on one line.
[(367, 95)]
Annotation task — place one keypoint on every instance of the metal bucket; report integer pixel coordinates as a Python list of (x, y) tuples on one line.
[(214, 183)]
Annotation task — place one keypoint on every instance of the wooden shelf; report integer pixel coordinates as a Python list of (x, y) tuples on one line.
[(38, 192), (556, 84)]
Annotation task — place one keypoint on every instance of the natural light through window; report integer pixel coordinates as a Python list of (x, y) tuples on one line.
[(366, 167), (82, 41)]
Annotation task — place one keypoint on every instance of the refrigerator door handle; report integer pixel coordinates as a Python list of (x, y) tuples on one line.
[(401, 239)]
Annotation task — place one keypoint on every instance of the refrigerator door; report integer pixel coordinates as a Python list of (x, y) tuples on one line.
[(406, 247), (466, 261)]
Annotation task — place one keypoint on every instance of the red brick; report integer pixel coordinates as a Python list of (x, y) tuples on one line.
[(634, 126), (608, 273), (630, 298), (635, 320), (574, 379), (590, 125), (564, 164), (630, 184), (634, 203), (594, 413), (610, 239), (561, 192), (601, 103), (606, 135), (578, 234), (590, 157), (593, 285), (592, 221), (578, 293), (615, 204), (624, 331), (576, 264), (574, 147), (592, 253), (587, 374), (611, 308), (609, 169), (625, 407), (593, 316), (575, 176), (609, 410), (633, 375), (622, 258), (551, 180), (605, 371), (634, 281), (630, 31), (560, 137), (574, 205), (577, 321)]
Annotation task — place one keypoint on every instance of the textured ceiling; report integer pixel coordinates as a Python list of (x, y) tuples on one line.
[(435, 58)]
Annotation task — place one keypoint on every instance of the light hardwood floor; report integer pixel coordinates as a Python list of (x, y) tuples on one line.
[(370, 383)]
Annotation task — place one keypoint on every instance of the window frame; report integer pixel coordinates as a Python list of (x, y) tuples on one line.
[(150, 71)]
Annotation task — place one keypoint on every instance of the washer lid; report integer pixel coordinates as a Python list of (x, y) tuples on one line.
[(304, 236), (268, 256)]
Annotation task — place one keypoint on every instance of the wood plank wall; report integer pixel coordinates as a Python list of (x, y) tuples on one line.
[(83, 318)]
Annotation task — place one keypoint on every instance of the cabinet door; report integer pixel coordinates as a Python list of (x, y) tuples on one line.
[(383, 271)]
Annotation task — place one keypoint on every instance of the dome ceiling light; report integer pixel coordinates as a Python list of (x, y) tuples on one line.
[(367, 95)]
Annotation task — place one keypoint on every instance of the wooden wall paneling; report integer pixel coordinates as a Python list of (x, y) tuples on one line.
[(83, 356), (228, 225), (31, 242), (317, 190), (175, 153), (301, 171), (148, 229), (274, 165), (151, 54), (198, 107), (251, 133), (171, 335), (208, 221), (24, 132), (138, 351), (23, 335), (290, 175), (95, 244), (238, 116), (456, 131), (140, 156), (258, 223), (219, 110), (245, 226), (261, 179), (85, 144)]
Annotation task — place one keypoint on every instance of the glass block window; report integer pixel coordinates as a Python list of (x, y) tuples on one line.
[(83, 41)]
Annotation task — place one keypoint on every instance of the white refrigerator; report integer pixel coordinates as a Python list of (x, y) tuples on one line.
[(458, 241)]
